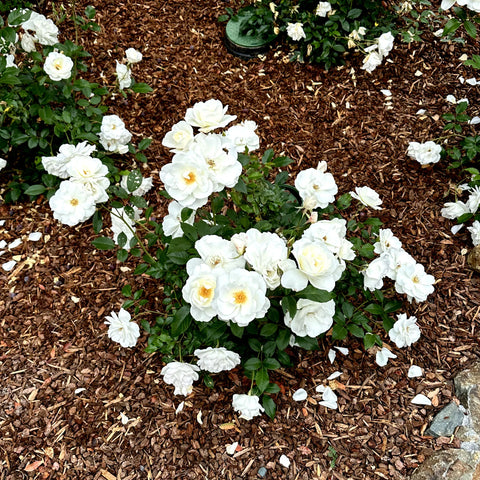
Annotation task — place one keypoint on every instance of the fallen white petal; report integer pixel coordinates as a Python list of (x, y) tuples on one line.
[(438, 33), (300, 395), (35, 236), (3, 243), (334, 375), (414, 371), (421, 111), (284, 461), (79, 390), (463, 57), (331, 355), (231, 448), (74, 299), (9, 265), (342, 350), (2, 223), (123, 418), (474, 121), (179, 408), (461, 80), (387, 93), (15, 243), (320, 388), (329, 399), (421, 400), (2, 252), (456, 228), (464, 100), (418, 73), (472, 81), (199, 417), (383, 355), (451, 99)]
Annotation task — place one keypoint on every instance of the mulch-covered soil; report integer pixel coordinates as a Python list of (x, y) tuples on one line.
[(63, 383)]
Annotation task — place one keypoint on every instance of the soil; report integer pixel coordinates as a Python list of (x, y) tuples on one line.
[(64, 384)]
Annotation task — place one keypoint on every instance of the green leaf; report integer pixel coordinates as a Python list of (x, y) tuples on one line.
[(283, 339), (354, 13), (134, 180), (308, 343), (127, 291), (144, 144), (348, 309), (241, 186), (186, 214), (470, 28), (35, 190), (103, 243), (271, 364), (18, 16), (122, 255), (97, 221), (255, 344), (369, 340), (236, 330), (315, 294), (282, 161), (374, 308), (356, 330), (121, 240), (141, 88), (90, 12), (268, 330), (262, 379), (181, 321), (289, 305), (269, 406), (451, 26), (252, 363), (268, 156), (339, 332), (272, 388)]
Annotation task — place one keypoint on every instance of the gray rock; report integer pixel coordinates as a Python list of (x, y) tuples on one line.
[(465, 381), (446, 421), (451, 464)]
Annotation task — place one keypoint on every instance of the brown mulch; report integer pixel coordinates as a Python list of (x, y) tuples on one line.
[(64, 383)]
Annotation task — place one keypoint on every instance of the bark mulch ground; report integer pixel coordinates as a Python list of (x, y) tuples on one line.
[(63, 383)]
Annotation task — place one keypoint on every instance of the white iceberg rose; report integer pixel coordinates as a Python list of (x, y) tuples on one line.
[(28, 42), (171, 222), (243, 136), (475, 232), (372, 61), (133, 56), (385, 43), (473, 201), (374, 274), (45, 31), (215, 360), (405, 331), (386, 241), (90, 172), (208, 115), (72, 204), (121, 329), (247, 405), (367, 197), (181, 376), (295, 31), (396, 258), (179, 138), (312, 318), (199, 292), (424, 153), (58, 165), (453, 210), (414, 282), (241, 296), (58, 66), (316, 184), (3, 163), (323, 8), (124, 76)]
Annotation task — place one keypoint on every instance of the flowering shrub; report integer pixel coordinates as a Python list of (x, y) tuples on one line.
[(51, 116), (251, 265), (323, 32)]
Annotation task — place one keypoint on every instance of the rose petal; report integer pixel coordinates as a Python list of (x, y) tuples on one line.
[(284, 461), (421, 400), (414, 371), (300, 395)]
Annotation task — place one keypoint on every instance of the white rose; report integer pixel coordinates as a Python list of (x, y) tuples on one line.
[(414, 282), (248, 406), (3, 163), (405, 331), (385, 43), (58, 66), (372, 61), (208, 115), (316, 184), (396, 258), (473, 201), (295, 31), (475, 232), (123, 75), (312, 318), (113, 128), (215, 360), (90, 172), (133, 56), (367, 197), (181, 376), (72, 204), (323, 8), (374, 274), (453, 210), (171, 222), (386, 241), (199, 292), (121, 329), (243, 136), (424, 153), (179, 138), (28, 42)]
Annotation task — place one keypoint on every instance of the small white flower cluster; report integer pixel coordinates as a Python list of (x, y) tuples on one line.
[(203, 163), (395, 263), (377, 52), (87, 184), (424, 153), (124, 71), (453, 210), (473, 5)]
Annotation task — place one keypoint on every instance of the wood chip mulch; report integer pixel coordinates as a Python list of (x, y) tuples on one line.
[(64, 384)]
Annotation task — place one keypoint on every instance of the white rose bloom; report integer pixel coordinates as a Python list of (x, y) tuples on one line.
[(414, 282), (316, 264), (475, 232), (3, 163), (113, 128), (239, 240), (145, 186), (171, 222), (122, 223), (121, 329), (90, 172), (223, 167), (115, 146), (72, 204), (295, 31), (66, 153), (58, 66), (124, 76), (367, 197), (346, 251), (312, 318), (383, 356), (264, 252), (473, 201), (247, 405), (385, 43), (314, 183), (243, 136), (473, 5), (208, 115), (372, 61), (446, 4), (28, 42), (396, 258), (424, 153), (374, 274), (330, 232), (179, 138), (241, 296), (46, 32), (453, 210), (386, 241), (215, 360), (199, 292), (181, 376), (405, 331), (133, 56), (323, 8), (187, 180)]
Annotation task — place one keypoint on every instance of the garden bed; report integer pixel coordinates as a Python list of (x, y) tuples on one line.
[(64, 383)]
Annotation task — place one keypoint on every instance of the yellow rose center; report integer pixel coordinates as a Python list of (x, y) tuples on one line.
[(240, 297), (74, 202), (190, 178), (205, 292)]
